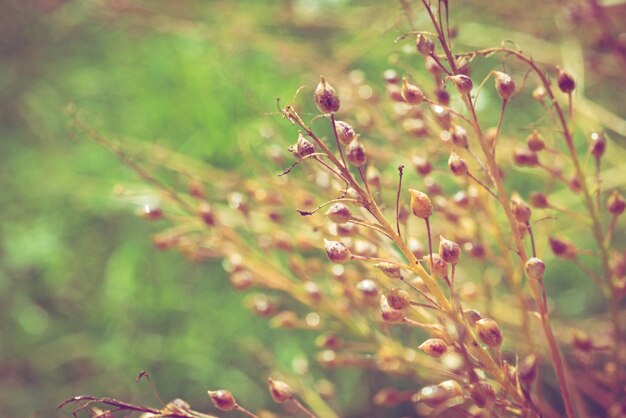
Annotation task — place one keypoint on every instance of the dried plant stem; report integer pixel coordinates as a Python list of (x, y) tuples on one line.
[(302, 408), (245, 411), (400, 173)]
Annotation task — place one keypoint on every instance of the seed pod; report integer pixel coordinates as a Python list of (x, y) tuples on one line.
[(355, 152), (449, 251), (505, 86), (411, 94), (539, 94), (434, 347), (472, 315), (616, 204), (372, 176), (223, 400), (535, 141), (435, 395), (391, 76), (206, 213), (345, 132), (562, 249), (483, 394), (303, 146), (539, 200), (462, 83), (527, 370), (281, 392), (459, 136), (443, 97), (421, 206), (521, 210), (337, 251), (388, 314), (325, 97), (597, 147), (535, 268), (582, 341), (368, 288), (525, 157), (339, 213), (457, 165), (391, 270), (424, 45), (398, 299), (566, 81), (489, 332), (440, 268), (422, 165)]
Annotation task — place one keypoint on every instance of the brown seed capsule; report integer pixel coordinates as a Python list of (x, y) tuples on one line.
[(391, 270), (457, 165), (440, 268), (434, 347), (616, 204), (535, 268), (489, 332), (566, 81), (527, 370), (303, 146), (539, 200), (535, 141), (223, 400), (521, 210), (345, 132), (562, 249), (368, 288), (339, 213), (505, 86), (472, 315), (355, 152), (459, 136), (325, 97), (411, 94), (424, 45), (337, 251), (449, 251), (483, 394), (462, 83), (421, 206), (525, 157), (443, 97), (398, 299), (422, 165), (597, 147), (387, 313), (281, 392)]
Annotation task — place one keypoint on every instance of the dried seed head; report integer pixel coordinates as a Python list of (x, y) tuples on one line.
[(422, 165), (337, 251), (223, 400), (424, 45), (616, 204), (345, 132), (387, 313), (434, 347), (303, 146), (339, 213), (398, 299), (566, 81), (489, 332), (325, 97), (505, 86), (411, 94), (391, 270), (525, 157), (355, 152), (440, 268), (535, 141), (527, 370), (449, 251), (521, 210), (421, 206), (457, 165), (281, 392), (483, 394), (597, 147), (562, 249), (535, 268), (539, 200), (459, 136), (462, 83)]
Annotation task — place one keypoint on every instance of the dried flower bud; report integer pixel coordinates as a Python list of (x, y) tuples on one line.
[(424, 45), (449, 251), (421, 206), (535, 141), (440, 268), (345, 132), (281, 392), (434, 347), (391, 270), (525, 157), (539, 200), (387, 313), (521, 210), (325, 97), (457, 165), (411, 94), (527, 370), (535, 268), (223, 400), (505, 86), (597, 147), (303, 146), (616, 204), (483, 394), (337, 251), (398, 299), (566, 81), (339, 213), (422, 165), (562, 249), (462, 83), (489, 332), (459, 136), (355, 152)]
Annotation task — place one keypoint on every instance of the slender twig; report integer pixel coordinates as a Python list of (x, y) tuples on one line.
[(400, 173)]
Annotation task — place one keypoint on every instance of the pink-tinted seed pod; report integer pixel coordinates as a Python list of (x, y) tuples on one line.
[(539, 94), (443, 97), (325, 97), (434, 347), (535, 141), (391, 76), (539, 200), (411, 94), (597, 147), (280, 391), (339, 213), (368, 288), (616, 204), (388, 314), (390, 270), (398, 299), (562, 249), (303, 147), (422, 165), (337, 251), (505, 86), (463, 83), (421, 206), (459, 136), (472, 315), (527, 369), (457, 165), (483, 394), (372, 176), (223, 400), (449, 251), (439, 267), (582, 341), (525, 157), (345, 132), (489, 332), (535, 268), (520, 210), (206, 214), (424, 45), (355, 152), (566, 81)]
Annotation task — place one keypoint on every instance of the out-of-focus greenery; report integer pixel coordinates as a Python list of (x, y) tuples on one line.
[(86, 302)]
